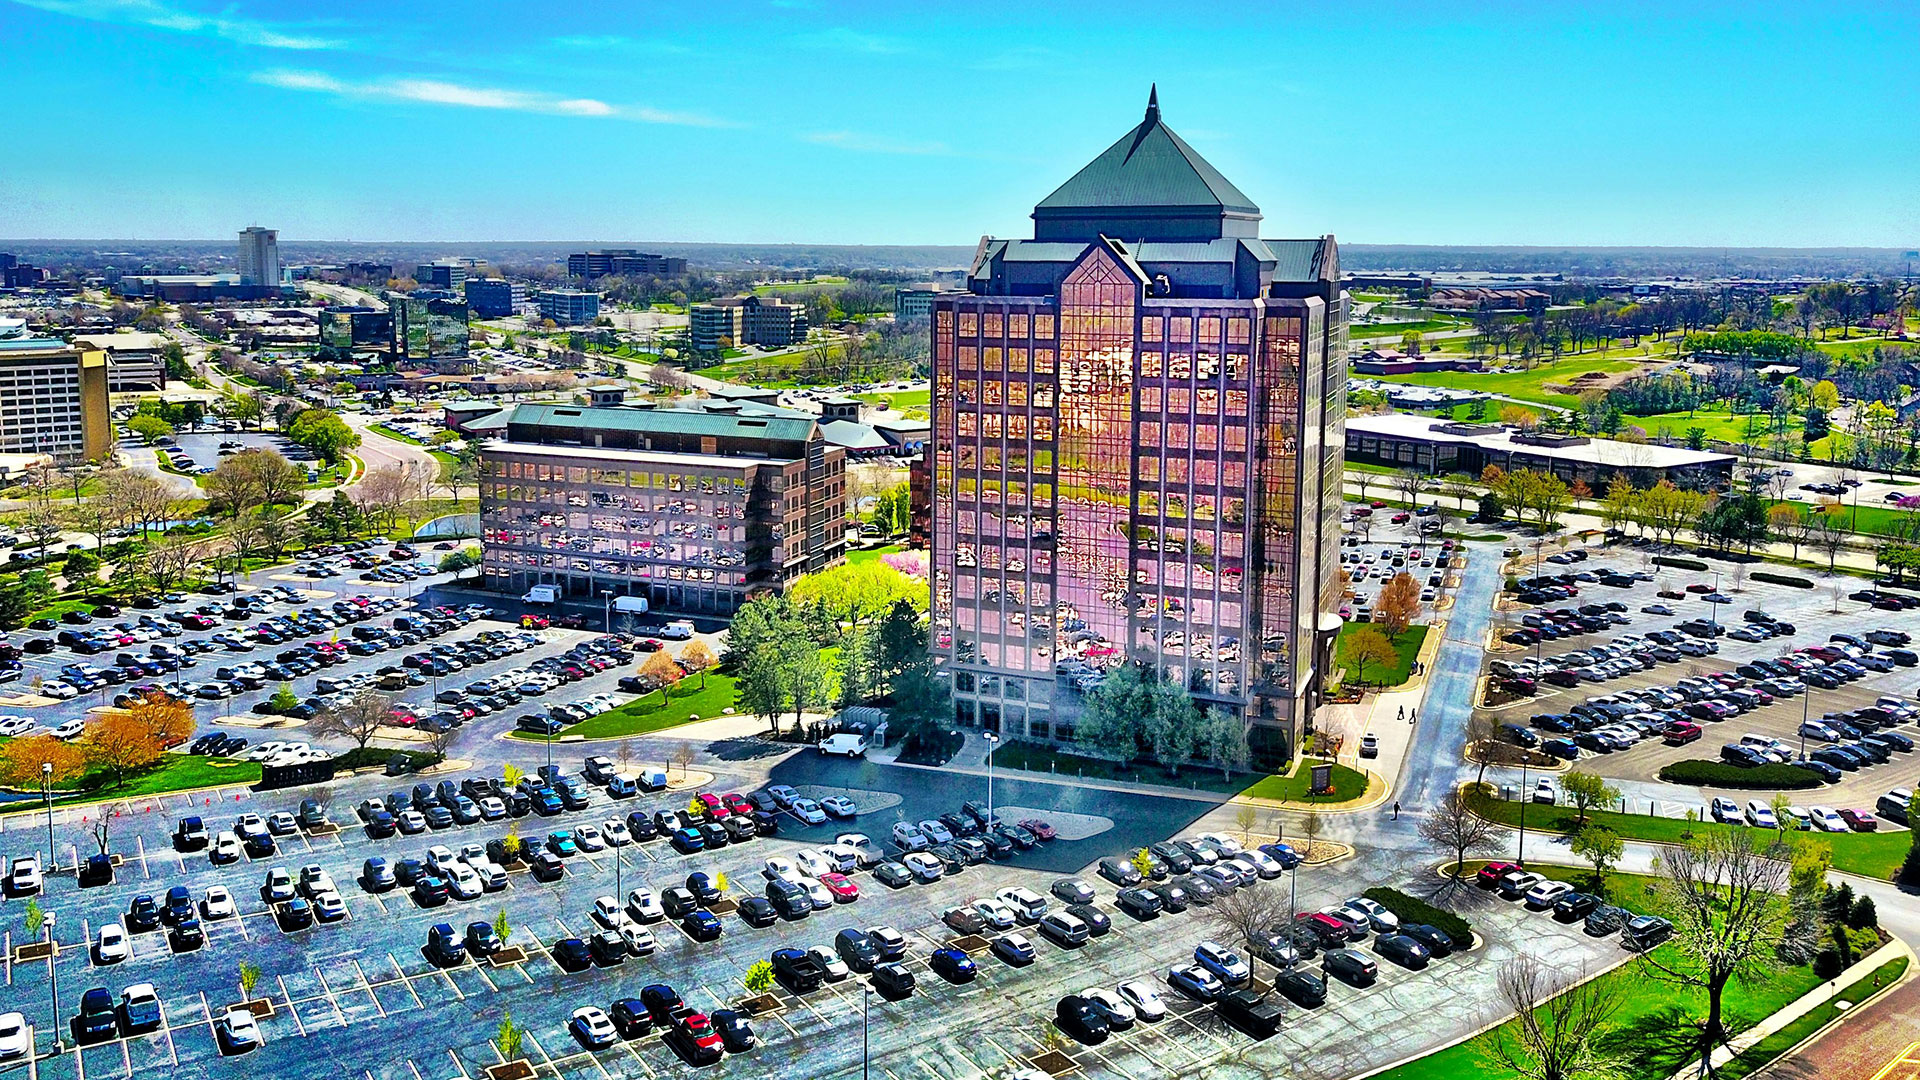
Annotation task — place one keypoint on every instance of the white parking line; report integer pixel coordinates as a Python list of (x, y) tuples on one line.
[(368, 987), (404, 981), (338, 1013), (290, 1007)]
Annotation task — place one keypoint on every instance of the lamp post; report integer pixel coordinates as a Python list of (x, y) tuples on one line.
[(1521, 856), (606, 595), (46, 793), (1713, 612), (53, 983), (866, 992), (993, 741)]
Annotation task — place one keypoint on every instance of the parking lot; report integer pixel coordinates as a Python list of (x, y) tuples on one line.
[(206, 447), (1815, 615), (360, 997)]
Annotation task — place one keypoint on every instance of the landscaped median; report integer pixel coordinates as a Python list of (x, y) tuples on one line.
[(1348, 784), (1874, 855), (175, 772), (1651, 1033), (684, 702)]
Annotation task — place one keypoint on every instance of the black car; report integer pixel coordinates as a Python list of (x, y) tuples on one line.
[(1303, 988), (630, 1018), (482, 940), (1098, 924), (143, 914), (1402, 950), (1081, 1019), (572, 954), (757, 911), (1173, 856), (736, 1032), (1251, 1012), (1577, 905), (187, 934), (663, 1003), (1120, 872), (1605, 919), (797, 971), (1437, 941), (1140, 903), (1350, 966)]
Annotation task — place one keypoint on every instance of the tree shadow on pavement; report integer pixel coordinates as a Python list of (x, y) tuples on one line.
[(748, 749)]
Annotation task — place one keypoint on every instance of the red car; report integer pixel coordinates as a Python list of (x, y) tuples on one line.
[(844, 891), (711, 801), (737, 803), (1699, 588), (1860, 820), (1038, 828), (697, 1039), (1491, 873), (1401, 518), (1328, 927), (647, 645)]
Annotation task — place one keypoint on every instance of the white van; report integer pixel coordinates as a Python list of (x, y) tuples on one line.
[(1064, 927), (845, 744)]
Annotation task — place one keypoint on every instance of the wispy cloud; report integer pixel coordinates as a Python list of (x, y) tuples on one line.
[(441, 92), (619, 42), (877, 144), (161, 16), (847, 40), (1019, 57)]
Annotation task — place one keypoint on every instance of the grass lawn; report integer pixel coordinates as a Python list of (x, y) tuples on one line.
[(1347, 784), (903, 400), (1778, 1043), (57, 609), (176, 772), (827, 282), (1405, 648), (1395, 329), (1524, 385), (1036, 757), (684, 702), (871, 554), (1718, 424), (1650, 1030), (1867, 518), (1874, 855)]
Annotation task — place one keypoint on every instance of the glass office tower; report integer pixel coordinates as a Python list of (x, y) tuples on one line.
[(1137, 452)]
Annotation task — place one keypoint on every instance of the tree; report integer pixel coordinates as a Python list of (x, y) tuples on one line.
[(1586, 791), (502, 926), (759, 979), (1723, 895), (1601, 847), (323, 433), (1368, 646), (1452, 828), (760, 688), (166, 719), (1115, 715), (661, 671), (1222, 740), (509, 1039), (1409, 483), (1557, 1032), (21, 761), (696, 657), (1789, 523), (1398, 604), (1143, 863), (806, 678), (440, 739), (359, 718), (149, 428), (1909, 872), (683, 755), (384, 493), (249, 978), (1248, 915)]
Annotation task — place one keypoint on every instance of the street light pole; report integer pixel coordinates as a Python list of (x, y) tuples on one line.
[(993, 741), (866, 992), (46, 793), (53, 983), (607, 596), (1521, 856)]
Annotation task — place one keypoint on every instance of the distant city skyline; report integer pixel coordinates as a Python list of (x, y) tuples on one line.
[(856, 123)]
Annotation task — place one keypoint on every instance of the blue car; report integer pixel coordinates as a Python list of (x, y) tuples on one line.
[(1282, 854), (561, 844), (701, 925), (688, 841), (953, 965)]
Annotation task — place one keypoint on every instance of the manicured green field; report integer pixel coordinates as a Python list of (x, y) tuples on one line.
[(1347, 784), (1874, 855), (1649, 1030), (685, 702), (1524, 385), (1405, 648), (176, 772)]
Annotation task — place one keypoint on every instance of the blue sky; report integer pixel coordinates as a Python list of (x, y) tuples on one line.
[(1739, 124)]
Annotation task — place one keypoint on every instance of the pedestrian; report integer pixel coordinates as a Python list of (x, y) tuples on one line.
[(1413, 717), (1401, 714), (1396, 809)]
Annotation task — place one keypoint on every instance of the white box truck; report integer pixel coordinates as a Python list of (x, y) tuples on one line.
[(846, 744), (636, 605), (541, 594)]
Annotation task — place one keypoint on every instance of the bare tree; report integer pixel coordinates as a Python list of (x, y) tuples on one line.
[(359, 719), (1725, 896), (1410, 483), (439, 741), (1248, 915), (1453, 829), (1555, 1034)]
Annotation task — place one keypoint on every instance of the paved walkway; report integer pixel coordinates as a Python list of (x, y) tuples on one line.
[(1808, 1002)]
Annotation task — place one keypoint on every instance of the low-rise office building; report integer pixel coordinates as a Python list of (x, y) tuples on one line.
[(53, 399), (746, 320), (136, 361), (625, 262), (495, 298), (1438, 447), (570, 307), (695, 510)]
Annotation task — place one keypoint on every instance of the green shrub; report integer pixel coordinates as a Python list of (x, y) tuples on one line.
[(1412, 909), (366, 757), (1678, 564), (1781, 579), (1720, 774)]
